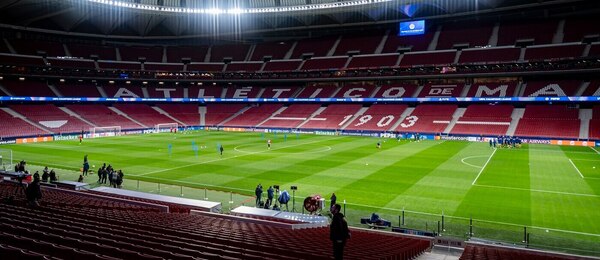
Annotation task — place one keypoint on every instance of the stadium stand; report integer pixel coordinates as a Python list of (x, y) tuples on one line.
[(326, 63), (490, 120), (427, 119), (77, 90), (165, 92), (218, 53), (33, 47), (216, 113), (427, 58), (463, 34), (280, 92), (282, 65), (540, 32), (489, 55), (175, 54), (551, 88), (316, 47), (373, 62), (10, 59), (333, 117), (317, 91), (244, 66), (71, 63), (555, 52), (136, 232), (135, 53), (355, 91), (51, 118), (144, 114), (212, 67), (492, 89), (292, 116), (199, 91), (593, 89), (254, 115), (112, 65), (28, 88), (594, 50), (378, 117), (102, 116), (577, 28), (112, 90), (242, 92), (149, 66), (396, 90), (88, 51), (442, 90), (414, 43), (273, 50), (16, 127), (365, 43), (549, 121), (186, 113)]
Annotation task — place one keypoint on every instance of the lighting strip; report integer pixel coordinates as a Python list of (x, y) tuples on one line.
[(237, 11)]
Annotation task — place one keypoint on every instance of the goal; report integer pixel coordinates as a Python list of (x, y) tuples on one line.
[(6, 159), (105, 131), (166, 127)]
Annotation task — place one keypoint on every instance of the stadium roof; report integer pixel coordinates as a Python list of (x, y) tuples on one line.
[(166, 19)]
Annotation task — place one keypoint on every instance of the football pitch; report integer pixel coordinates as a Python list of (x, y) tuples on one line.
[(458, 188)]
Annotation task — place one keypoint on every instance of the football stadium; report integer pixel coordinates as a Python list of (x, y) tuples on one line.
[(299, 129)]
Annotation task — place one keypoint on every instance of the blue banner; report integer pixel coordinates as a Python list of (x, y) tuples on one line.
[(303, 100)]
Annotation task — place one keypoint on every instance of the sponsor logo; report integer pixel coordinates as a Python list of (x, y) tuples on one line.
[(8, 142)]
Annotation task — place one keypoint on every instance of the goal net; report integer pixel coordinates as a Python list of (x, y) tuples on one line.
[(6, 159), (166, 127), (105, 131)]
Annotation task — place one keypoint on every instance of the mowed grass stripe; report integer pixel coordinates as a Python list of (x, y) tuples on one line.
[(508, 168), (446, 186), (551, 170), (384, 185), (240, 159), (306, 165), (354, 168)]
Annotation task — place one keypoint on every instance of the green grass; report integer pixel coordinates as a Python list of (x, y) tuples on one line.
[(537, 186)]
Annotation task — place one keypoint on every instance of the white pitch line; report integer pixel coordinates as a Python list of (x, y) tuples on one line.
[(483, 168), (480, 220), (594, 149), (571, 161), (221, 159), (472, 165), (540, 191)]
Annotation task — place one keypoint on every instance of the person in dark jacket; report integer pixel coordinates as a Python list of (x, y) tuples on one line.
[(258, 192), (338, 232), (33, 193), (270, 196)]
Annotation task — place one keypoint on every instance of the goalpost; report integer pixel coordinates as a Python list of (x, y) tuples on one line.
[(6, 159), (166, 127), (105, 131)]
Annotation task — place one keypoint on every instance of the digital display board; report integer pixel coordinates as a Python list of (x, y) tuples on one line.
[(412, 28)]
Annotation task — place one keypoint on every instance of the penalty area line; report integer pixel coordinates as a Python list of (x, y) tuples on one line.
[(571, 161), (594, 149), (483, 168)]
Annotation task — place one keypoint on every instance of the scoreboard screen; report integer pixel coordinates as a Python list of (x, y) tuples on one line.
[(412, 28)]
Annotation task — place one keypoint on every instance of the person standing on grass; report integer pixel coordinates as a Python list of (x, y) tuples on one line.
[(221, 149), (338, 232), (332, 201)]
